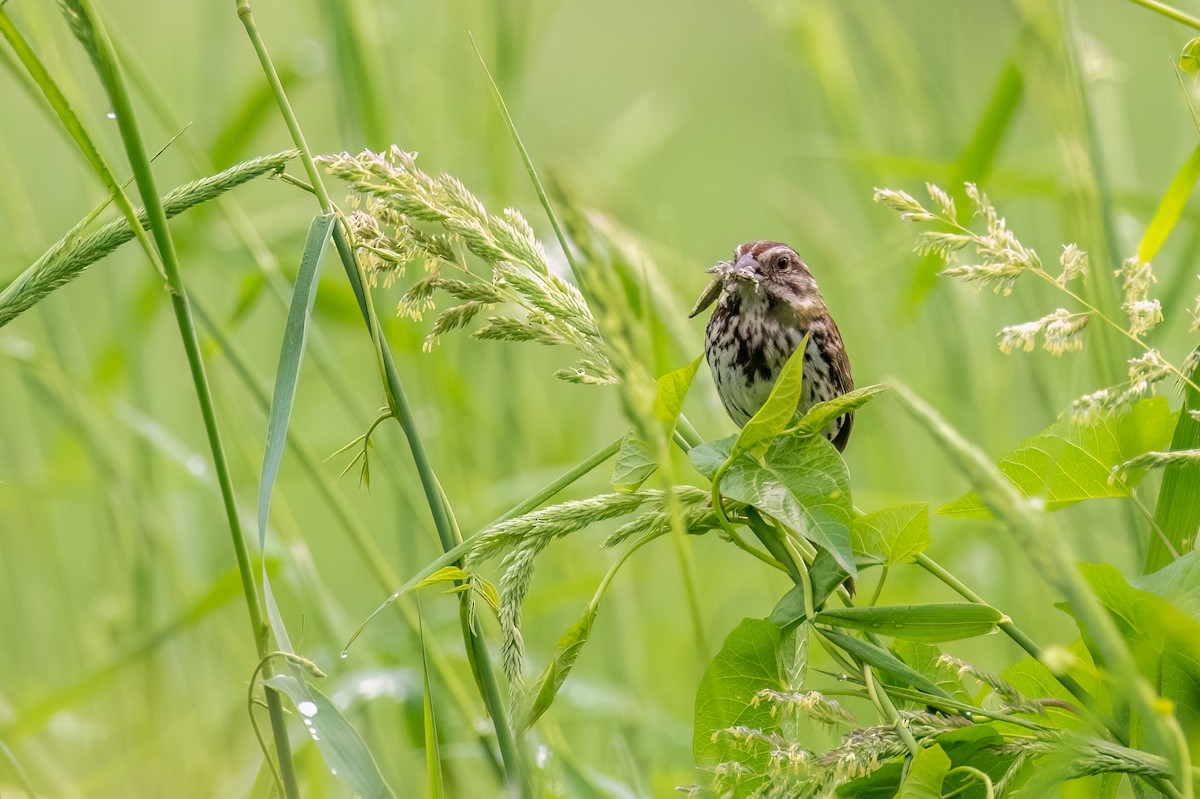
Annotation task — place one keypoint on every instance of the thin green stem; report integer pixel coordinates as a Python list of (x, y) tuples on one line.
[(525, 159), (545, 494), (883, 703), (398, 403), (988, 789), (131, 138), (1009, 627), (883, 575), (1170, 12), (737, 541)]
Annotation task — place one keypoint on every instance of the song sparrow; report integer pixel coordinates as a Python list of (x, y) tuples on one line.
[(767, 300)]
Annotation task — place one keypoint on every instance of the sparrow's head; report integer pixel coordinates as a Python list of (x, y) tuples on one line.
[(762, 271)]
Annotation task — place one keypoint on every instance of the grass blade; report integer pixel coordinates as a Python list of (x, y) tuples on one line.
[(340, 744), (295, 334), (1178, 510), (1170, 208), (433, 756)]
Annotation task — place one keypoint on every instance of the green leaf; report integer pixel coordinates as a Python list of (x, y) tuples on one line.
[(635, 462), (780, 408), (925, 775), (822, 414), (561, 662), (1170, 206), (884, 660), (927, 659), (1031, 678), (882, 783), (672, 390), (802, 482), (1164, 639), (747, 663), (980, 747), (929, 623), (1178, 510), (1070, 461), (444, 575), (1189, 59), (287, 374), (1178, 581), (339, 743), (892, 535)]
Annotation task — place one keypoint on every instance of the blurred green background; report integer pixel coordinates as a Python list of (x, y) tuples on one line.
[(695, 126)]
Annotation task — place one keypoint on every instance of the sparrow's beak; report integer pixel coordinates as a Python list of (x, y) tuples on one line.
[(742, 269)]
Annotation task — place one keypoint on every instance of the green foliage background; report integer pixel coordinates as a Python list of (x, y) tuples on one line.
[(694, 127)]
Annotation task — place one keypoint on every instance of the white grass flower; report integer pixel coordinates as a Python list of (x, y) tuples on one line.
[(1000, 276), (1074, 263), (1063, 332), (1146, 370), (944, 203), (1143, 315), (1136, 278), (905, 203), (1020, 337)]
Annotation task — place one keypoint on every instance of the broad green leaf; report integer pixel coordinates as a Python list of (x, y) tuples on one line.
[(635, 462), (892, 535), (925, 775), (885, 661), (1164, 639), (1178, 581), (977, 746), (802, 482), (777, 412), (1070, 461), (928, 623), (826, 576), (672, 390), (1170, 207), (1031, 678), (820, 415), (339, 743), (1178, 510), (747, 663), (561, 662)]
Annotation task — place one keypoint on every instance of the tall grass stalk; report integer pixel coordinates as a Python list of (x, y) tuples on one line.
[(398, 404), (92, 33)]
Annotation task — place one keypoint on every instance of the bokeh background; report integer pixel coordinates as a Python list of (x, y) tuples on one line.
[(692, 126)]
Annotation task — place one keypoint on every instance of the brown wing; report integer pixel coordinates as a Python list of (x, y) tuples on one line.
[(834, 351)]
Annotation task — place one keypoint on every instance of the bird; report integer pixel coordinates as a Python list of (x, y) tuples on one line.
[(766, 302)]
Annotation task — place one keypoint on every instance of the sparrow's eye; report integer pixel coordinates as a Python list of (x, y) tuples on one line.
[(782, 262)]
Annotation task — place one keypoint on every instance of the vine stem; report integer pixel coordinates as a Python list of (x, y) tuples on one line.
[(443, 518)]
